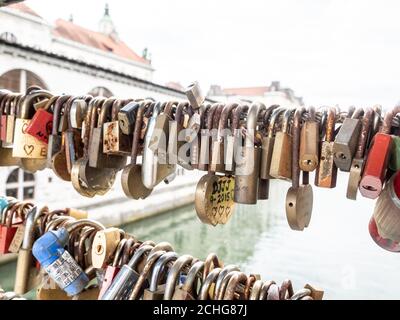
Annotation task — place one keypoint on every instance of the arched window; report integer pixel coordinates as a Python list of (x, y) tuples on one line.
[(18, 80), (8, 36), (101, 92), (20, 185)]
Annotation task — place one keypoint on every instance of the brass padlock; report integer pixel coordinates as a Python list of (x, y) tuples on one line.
[(104, 245), (31, 151), (281, 161), (309, 143), (194, 95), (299, 198)]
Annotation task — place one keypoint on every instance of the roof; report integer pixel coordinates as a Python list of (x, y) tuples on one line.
[(73, 32), (247, 91), (23, 8)]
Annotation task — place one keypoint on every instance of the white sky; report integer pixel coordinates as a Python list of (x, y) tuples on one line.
[(330, 52)]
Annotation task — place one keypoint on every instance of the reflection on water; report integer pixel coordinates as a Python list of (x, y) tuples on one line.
[(334, 253)]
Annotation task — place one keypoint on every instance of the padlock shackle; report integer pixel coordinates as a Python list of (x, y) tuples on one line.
[(224, 282), (159, 267), (138, 255), (251, 122), (151, 260), (217, 116), (311, 113), (30, 222), (275, 115), (85, 223), (364, 133), (105, 112), (209, 280), (234, 281), (358, 113), (57, 113), (118, 253), (195, 271), (350, 111), (296, 146), (137, 129), (387, 121), (212, 261), (286, 120), (225, 270), (173, 274), (223, 121), (27, 104)]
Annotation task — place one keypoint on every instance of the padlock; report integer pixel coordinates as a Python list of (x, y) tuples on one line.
[(8, 228), (268, 142), (71, 140), (151, 168), (41, 124), (357, 164), (114, 141), (58, 263), (104, 244), (127, 117), (18, 238), (375, 169), (299, 198), (205, 134), (384, 226), (218, 148), (157, 288), (194, 95), (234, 138), (346, 140), (142, 283), (97, 159), (309, 143), (112, 269), (214, 199), (326, 174), (126, 278), (222, 284), (187, 290), (27, 275), (55, 142), (15, 105), (281, 161), (86, 180), (131, 178), (248, 165), (173, 275)]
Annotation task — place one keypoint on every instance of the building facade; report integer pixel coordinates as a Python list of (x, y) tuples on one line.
[(269, 95), (66, 58)]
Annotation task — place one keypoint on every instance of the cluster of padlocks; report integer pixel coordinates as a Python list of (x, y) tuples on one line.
[(67, 256), (241, 146)]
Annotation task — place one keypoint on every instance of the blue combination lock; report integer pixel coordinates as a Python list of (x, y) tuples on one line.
[(58, 263)]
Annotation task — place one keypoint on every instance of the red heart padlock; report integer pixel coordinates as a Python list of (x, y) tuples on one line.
[(40, 126)]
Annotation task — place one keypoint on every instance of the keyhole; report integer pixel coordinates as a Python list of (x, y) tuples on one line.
[(341, 156), (370, 188), (291, 205), (99, 249)]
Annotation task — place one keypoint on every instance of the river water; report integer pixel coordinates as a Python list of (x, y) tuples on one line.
[(335, 253)]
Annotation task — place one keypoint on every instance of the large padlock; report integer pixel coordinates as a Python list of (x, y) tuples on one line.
[(104, 245), (127, 117), (33, 152), (309, 143), (58, 262), (247, 171)]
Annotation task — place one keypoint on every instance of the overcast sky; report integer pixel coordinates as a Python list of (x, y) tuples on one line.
[(330, 52)]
